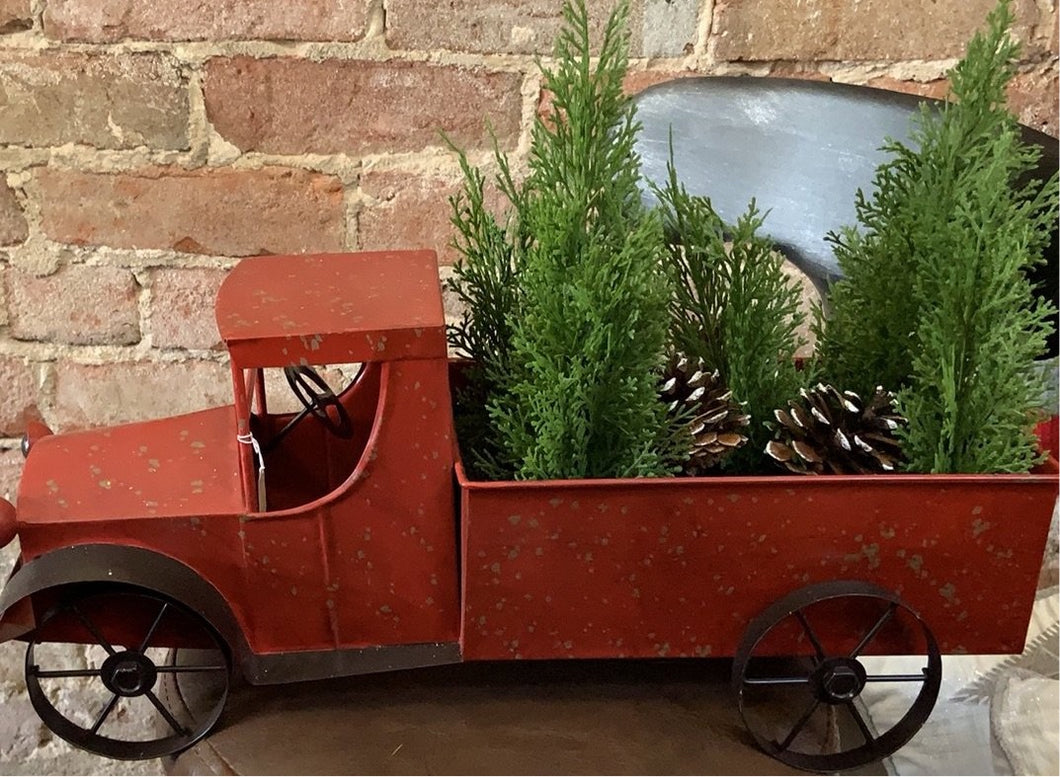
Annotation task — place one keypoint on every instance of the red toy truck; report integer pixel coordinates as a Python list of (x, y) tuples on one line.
[(347, 539)]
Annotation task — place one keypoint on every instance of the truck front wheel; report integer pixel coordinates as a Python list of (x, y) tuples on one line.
[(115, 687)]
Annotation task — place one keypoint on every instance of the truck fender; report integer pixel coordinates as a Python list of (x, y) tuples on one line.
[(117, 564)]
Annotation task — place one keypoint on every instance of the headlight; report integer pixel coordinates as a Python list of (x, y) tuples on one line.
[(34, 431)]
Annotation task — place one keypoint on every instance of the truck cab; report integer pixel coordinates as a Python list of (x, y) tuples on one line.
[(306, 543)]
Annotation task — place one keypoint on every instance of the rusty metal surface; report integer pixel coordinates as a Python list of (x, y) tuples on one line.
[(121, 565), (373, 563), (365, 554), (678, 567), (332, 308), (180, 466), (360, 555)]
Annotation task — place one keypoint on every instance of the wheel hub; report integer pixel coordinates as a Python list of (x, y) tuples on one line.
[(838, 680), (129, 673)]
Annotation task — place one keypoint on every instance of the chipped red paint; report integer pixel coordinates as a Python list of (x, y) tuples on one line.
[(357, 546), (678, 567), (274, 311), (183, 466)]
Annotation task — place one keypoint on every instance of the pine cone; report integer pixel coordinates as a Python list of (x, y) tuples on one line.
[(716, 419), (827, 431)]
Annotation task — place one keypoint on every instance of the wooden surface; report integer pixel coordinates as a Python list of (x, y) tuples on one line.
[(576, 717)]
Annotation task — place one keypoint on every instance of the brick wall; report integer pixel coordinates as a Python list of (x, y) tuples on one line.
[(146, 145)]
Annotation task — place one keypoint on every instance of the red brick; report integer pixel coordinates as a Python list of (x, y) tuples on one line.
[(12, 221), (88, 395), (639, 80), (103, 21), (213, 211), (805, 71), (18, 400), (762, 30), (102, 100), (1032, 96), (78, 305), (1035, 98), (656, 27), (293, 106), (15, 15), (936, 89), (182, 308), (635, 81), (407, 211), (412, 210)]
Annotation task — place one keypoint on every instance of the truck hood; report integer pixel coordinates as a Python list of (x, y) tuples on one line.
[(181, 466)]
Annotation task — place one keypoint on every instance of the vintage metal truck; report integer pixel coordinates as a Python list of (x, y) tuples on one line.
[(347, 538)]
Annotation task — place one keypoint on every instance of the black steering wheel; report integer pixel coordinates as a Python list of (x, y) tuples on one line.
[(316, 397)]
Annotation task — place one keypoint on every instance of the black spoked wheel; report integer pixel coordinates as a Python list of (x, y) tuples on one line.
[(103, 693), (811, 667)]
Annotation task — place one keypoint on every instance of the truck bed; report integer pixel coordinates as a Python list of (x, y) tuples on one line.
[(678, 567)]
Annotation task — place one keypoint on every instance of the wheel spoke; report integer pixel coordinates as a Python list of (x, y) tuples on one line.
[(36, 671), (870, 740), (88, 624), (165, 713), (874, 630), (103, 714), (811, 635), (897, 678), (172, 669), (154, 626), (128, 671), (775, 680), (799, 726)]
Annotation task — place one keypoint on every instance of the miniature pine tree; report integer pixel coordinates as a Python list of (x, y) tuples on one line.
[(733, 308), (936, 300), (486, 281), (589, 339)]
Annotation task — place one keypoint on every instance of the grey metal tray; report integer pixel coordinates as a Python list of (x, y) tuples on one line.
[(800, 148)]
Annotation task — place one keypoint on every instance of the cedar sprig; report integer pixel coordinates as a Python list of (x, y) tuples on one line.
[(485, 280), (589, 339), (936, 301), (733, 308)]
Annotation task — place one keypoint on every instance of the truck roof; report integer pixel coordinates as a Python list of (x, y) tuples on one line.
[(277, 311)]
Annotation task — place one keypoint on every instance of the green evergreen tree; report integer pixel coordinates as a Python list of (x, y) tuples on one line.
[(936, 302), (486, 280), (589, 339), (733, 308), (566, 319)]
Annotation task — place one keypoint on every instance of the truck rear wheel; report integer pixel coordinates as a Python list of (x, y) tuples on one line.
[(810, 666), (104, 692)]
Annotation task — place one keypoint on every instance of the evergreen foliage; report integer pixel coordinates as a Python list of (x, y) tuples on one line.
[(485, 277), (589, 341), (569, 304), (936, 302), (733, 307), (486, 280)]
